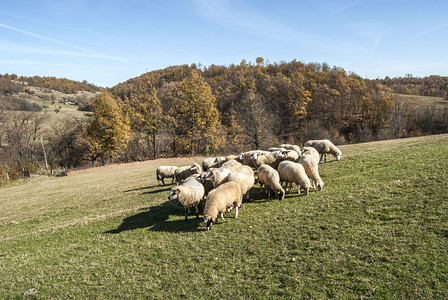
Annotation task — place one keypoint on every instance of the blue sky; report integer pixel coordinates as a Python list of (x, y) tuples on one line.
[(109, 41)]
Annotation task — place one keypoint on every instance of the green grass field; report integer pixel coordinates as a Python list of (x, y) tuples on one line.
[(378, 229)]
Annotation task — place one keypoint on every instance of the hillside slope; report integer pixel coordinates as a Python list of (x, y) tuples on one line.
[(379, 228)]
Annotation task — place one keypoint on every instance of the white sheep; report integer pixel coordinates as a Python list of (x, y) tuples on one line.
[(291, 172), (291, 155), (269, 177), (270, 158), (232, 157), (311, 151), (212, 162), (189, 194), (312, 170), (246, 157), (273, 149), (163, 172), (182, 173), (290, 147), (213, 178), (231, 165), (324, 147), (245, 177), (218, 200)]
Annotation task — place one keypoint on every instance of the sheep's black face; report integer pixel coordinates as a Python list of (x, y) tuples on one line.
[(320, 186), (209, 223), (174, 194), (280, 195)]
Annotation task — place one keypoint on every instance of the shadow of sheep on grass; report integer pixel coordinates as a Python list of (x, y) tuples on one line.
[(157, 218)]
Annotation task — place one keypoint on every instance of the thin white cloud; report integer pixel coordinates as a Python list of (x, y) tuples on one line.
[(85, 50), (344, 7), (240, 19), (35, 63), (429, 30), (10, 47)]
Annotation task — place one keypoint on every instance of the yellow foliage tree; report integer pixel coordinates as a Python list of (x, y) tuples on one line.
[(197, 115), (109, 130)]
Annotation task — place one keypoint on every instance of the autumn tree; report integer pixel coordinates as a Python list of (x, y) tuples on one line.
[(144, 110), (197, 116), (109, 130)]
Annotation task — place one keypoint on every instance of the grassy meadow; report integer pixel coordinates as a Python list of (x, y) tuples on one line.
[(378, 229), (421, 101)]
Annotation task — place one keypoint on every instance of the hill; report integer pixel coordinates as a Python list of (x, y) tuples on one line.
[(56, 97), (419, 101), (379, 228)]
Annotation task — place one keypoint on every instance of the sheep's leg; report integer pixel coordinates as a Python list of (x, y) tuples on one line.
[(298, 189), (163, 182), (186, 214), (236, 212), (197, 211), (222, 217)]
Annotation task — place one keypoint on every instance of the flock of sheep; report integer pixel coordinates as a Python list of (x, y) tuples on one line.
[(223, 181)]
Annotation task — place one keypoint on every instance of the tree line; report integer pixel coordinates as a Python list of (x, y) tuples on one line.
[(434, 86), (208, 110), (58, 84)]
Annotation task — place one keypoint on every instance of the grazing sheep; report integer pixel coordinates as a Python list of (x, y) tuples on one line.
[(290, 147), (291, 155), (324, 147), (213, 178), (311, 151), (189, 194), (218, 200), (165, 172), (291, 172), (268, 176), (232, 157), (232, 165), (273, 149), (212, 162), (245, 177), (246, 157), (207, 163), (270, 158), (182, 173), (312, 170)]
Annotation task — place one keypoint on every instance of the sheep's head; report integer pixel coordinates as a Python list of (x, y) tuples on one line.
[(320, 186), (338, 156), (209, 221), (281, 194), (174, 193)]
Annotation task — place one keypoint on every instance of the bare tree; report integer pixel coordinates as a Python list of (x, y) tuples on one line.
[(255, 121), (22, 132)]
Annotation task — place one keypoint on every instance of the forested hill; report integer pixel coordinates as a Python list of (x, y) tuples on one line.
[(262, 103), (434, 86), (8, 84), (191, 110)]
